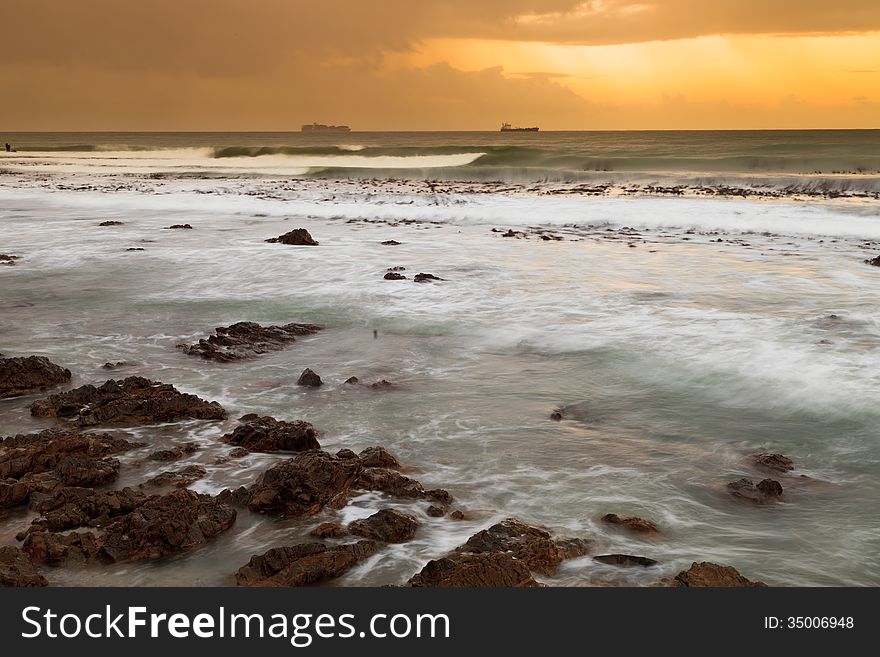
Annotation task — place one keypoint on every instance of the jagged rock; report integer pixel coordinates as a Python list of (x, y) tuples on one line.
[(17, 569), (633, 523), (436, 511), (390, 243), (110, 223), (115, 366), (53, 458), (309, 378), (73, 507), (421, 278), (352, 381), (398, 485), (556, 415), (329, 530), (134, 400), (161, 526), (244, 340), (625, 560), (874, 261), (379, 457), (304, 485), (767, 491), (474, 570), (303, 564), (239, 452), (179, 226), (21, 376), (387, 526), (296, 237), (176, 478), (173, 453), (135, 248), (266, 434), (346, 454), (394, 276), (7, 259), (708, 574), (458, 515), (773, 462)]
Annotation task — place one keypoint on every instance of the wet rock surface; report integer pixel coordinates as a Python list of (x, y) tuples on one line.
[(245, 340), (329, 530), (8, 259), (773, 462), (625, 560), (46, 461), (173, 453), (111, 222), (875, 261), (179, 227), (395, 484), (160, 526), (309, 379), (767, 491), (708, 574), (422, 278), (73, 507), (134, 400), (17, 569), (303, 564), (24, 375), (390, 243), (176, 478), (386, 525), (296, 237), (266, 434), (394, 276), (632, 523), (505, 554)]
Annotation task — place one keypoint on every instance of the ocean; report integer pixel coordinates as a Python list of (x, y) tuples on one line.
[(685, 300)]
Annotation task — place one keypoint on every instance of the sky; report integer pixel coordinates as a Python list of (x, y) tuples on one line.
[(439, 64)]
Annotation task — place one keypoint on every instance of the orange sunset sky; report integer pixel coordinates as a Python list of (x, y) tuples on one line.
[(440, 65)]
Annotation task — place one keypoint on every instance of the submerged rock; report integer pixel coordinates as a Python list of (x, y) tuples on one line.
[(266, 434), (633, 523), (309, 378), (505, 554), (17, 569), (24, 375), (390, 243), (110, 223), (329, 530), (179, 226), (767, 491), (296, 237), (244, 340), (134, 400), (115, 366), (394, 276), (387, 526), (421, 278), (7, 259), (708, 574), (395, 484), (173, 453), (625, 560), (176, 478), (161, 526), (300, 565), (773, 462), (874, 261)]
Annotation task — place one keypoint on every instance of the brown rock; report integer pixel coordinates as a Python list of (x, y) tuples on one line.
[(239, 452), (17, 569), (134, 400), (245, 340), (633, 523), (379, 457), (21, 376), (773, 462), (421, 278), (398, 485), (387, 526), (309, 378), (173, 453), (302, 486), (458, 515), (176, 478), (73, 507), (474, 570), (296, 237), (115, 366), (300, 565), (394, 276), (436, 511), (266, 434), (767, 491), (352, 381), (329, 530), (625, 560), (708, 574), (110, 223), (556, 415)]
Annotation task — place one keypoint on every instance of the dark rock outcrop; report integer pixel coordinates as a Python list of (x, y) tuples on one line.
[(329, 530), (767, 491), (390, 243), (73, 507), (176, 478), (179, 226), (874, 261), (302, 486), (17, 569), (173, 453), (309, 378), (20, 376), (625, 560), (379, 457), (505, 554), (266, 434), (134, 400), (394, 276), (300, 565), (296, 237), (395, 484), (115, 366), (161, 526), (708, 574), (110, 223), (244, 340), (386, 525), (7, 259), (773, 462), (421, 278), (633, 523)]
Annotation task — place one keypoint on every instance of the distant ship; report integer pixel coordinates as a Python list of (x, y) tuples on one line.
[(320, 127), (506, 127)]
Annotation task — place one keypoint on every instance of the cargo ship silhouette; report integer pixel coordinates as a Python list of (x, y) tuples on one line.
[(506, 127)]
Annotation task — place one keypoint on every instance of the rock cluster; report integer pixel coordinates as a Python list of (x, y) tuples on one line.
[(245, 340), (21, 376)]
